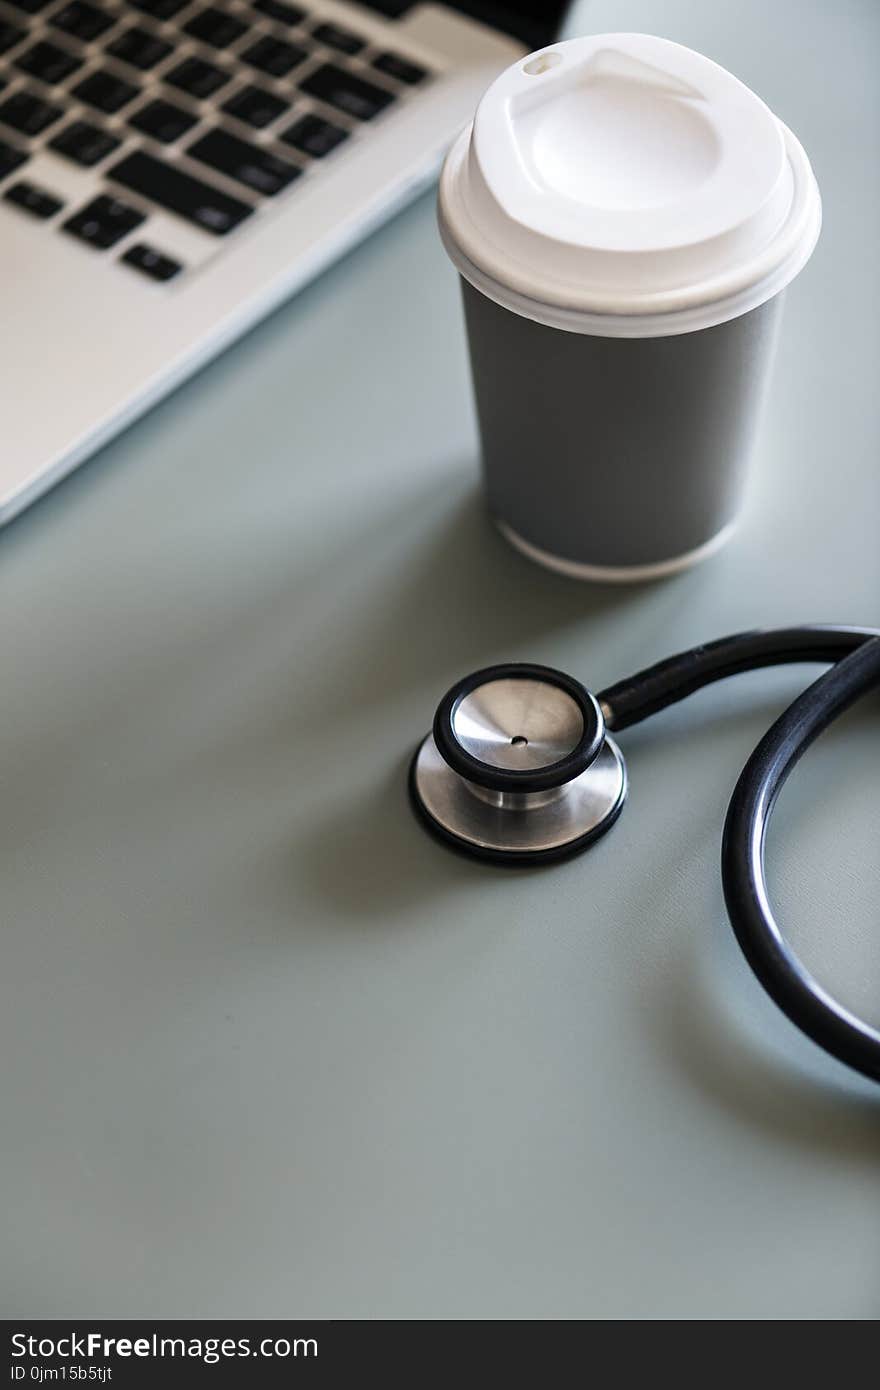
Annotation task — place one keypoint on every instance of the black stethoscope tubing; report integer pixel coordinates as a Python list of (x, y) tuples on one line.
[(855, 653), (785, 979)]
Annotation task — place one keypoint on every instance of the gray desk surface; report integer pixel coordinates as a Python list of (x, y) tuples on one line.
[(268, 1049)]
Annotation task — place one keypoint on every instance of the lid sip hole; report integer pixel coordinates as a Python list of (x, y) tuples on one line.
[(543, 62), (519, 741)]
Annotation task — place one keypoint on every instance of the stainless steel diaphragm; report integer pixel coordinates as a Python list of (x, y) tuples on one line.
[(519, 766)]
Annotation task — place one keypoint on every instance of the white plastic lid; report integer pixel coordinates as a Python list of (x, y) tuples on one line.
[(626, 186)]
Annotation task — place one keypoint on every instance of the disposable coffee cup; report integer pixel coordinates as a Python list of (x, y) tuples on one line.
[(624, 216)]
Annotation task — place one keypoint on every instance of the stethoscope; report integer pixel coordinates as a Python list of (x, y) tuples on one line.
[(520, 769)]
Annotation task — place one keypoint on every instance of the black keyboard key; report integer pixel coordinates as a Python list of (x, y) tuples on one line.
[(29, 6), (82, 20), (215, 27), (84, 143), (401, 69), (28, 113), (190, 198), (256, 107), (391, 9), (139, 48), (151, 263), (162, 121), (9, 36), (314, 136), (274, 56), (197, 77), (159, 9), (248, 164), (343, 39), (349, 93), (47, 62), (10, 158), (103, 222), (106, 92), (275, 9), (34, 200)]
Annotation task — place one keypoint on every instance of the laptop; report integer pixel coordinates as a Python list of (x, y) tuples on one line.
[(172, 170)]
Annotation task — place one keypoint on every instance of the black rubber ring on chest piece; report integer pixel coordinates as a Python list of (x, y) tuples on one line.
[(514, 780)]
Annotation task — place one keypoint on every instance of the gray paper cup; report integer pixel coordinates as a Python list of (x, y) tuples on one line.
[(617, 458), (624, 216)]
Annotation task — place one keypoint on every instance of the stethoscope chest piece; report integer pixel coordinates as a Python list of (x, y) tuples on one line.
[(519, 766)]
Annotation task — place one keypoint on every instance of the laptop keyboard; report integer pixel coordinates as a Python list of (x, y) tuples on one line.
[(209, 112)]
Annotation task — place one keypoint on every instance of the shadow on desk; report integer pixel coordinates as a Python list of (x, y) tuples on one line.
[(740, 1071), (430, 590), (459, 598)]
